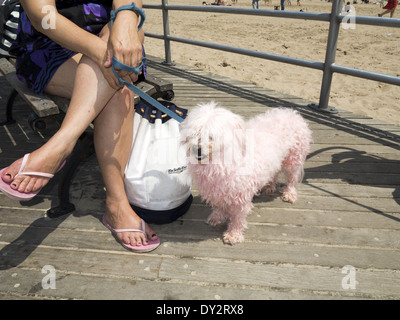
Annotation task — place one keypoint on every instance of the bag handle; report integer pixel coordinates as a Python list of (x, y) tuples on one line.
[(122, 66)]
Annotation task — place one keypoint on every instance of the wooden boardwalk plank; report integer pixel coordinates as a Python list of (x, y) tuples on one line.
[(348, 213)]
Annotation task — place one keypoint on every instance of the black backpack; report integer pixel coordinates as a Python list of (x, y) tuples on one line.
[(5, 9), (9, 16)]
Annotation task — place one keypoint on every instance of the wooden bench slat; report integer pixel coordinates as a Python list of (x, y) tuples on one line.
[(41, 105), (146, 88), (62, 103), (160, 84)]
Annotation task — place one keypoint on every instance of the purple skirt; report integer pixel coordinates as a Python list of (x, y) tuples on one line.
[(38, 57)]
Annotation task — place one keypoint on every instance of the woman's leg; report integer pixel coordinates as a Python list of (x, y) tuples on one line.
[(113, 130), (113, 139), (391, 11), (90, 95), (46, 159), (83, 109)]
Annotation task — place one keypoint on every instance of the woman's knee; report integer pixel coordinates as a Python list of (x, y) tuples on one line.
[(118, 108), (123, 100)]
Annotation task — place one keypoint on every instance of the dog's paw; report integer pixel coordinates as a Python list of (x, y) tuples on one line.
[(233, 237), (216, 218), (289, 195), (214, 221), (269, 188)]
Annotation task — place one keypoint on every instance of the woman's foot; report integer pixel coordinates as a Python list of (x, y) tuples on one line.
[(121, 216), (46, 159)]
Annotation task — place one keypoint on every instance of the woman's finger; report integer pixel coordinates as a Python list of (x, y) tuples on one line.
[(108, 58), (134, 77), (112, 80)]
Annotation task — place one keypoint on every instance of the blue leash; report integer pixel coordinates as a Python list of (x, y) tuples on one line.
[(122, 66)]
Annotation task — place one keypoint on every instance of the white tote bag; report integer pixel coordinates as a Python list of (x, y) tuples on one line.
[(157, 182)]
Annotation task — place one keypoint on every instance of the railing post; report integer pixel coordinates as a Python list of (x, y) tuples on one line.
[(330, 56), (167, 42)]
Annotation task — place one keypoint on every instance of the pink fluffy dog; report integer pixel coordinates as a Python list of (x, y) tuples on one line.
[(232, 160)]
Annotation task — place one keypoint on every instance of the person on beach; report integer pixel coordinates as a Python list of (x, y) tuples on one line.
[(65, 48), (390, 8), (347, 8)]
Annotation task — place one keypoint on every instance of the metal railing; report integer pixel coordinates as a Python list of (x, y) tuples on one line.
[(335, 18)]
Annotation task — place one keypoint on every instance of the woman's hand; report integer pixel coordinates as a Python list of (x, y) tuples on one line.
[(125, 44), (102, 58)]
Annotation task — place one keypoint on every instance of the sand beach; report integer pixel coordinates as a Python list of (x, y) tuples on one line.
[(370, 48)]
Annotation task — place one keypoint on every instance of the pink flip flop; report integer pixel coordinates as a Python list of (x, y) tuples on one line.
[(150, 246), (21, 196)]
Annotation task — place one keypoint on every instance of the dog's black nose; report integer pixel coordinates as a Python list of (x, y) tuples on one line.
[(197, 152)]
